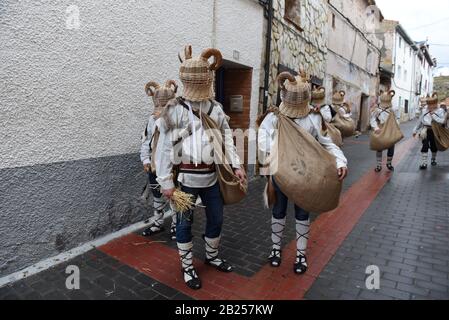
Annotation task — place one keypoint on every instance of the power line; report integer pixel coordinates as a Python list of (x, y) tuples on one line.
[(430, 24)]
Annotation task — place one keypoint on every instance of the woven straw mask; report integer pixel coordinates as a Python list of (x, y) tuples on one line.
[(338, 98), (422, 102), (161, 95), (432, 102), (295, 95), (386, 98), (197, 74), (318, 96)]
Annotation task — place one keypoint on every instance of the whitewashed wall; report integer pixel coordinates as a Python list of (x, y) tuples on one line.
[(72, 108), (403, 81)]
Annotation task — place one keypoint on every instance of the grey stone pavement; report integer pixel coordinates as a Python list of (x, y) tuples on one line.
[(404, 232)]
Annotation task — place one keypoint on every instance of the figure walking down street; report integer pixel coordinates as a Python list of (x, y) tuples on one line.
[(295, 95), (430, 113), (327, 113), (339, 105), (182, 124), (379, 118), (342, 116), (319, 104), (160, 95)]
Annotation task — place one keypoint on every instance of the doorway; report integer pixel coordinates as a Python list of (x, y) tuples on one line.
[(233, 88), (362, 124)]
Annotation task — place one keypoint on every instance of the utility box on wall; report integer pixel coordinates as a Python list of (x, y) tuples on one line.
[(236, 103)]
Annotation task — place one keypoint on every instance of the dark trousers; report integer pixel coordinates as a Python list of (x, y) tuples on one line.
[(211, 198), (152, 179), (280, 207), (429, 142), (390, 152)]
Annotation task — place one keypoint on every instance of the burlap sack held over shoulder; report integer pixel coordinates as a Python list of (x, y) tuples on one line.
[(304, 171), (345, 125), (231, 189), (441, 136), (389, 135), (334, 134)]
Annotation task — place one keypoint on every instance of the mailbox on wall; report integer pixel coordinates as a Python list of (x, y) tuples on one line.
[(236, 103)]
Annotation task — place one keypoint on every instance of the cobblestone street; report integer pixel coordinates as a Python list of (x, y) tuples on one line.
[(398, 222)]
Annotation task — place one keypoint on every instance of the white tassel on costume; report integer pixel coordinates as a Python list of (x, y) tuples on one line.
[(265, 197), (423, 134), (145, 192)]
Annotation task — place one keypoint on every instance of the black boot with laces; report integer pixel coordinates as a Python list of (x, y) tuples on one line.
[(189, 273), (212, 258), (300, 266)]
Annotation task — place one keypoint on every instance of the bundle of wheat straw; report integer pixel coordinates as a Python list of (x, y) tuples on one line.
[(182, 201)]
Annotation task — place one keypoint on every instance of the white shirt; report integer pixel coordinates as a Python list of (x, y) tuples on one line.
[(382, 116), (196, 146), (310, 123), (145, 152), (342, 111), (427, 117), (326, 113)]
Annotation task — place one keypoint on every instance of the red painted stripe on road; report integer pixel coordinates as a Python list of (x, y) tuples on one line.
[(328, 232)]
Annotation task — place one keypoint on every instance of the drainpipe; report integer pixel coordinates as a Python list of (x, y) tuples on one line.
[(269, 14)]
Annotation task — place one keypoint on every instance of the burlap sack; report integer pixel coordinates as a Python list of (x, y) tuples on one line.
[(304, 171), (334, 134), (389, 135), (231, 189), (441, 136), (345, 125)]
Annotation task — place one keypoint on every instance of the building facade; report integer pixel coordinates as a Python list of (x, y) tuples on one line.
[(298, 41), (408, 67), (427, 67), (353, 55), (404, 67), (73, 108)]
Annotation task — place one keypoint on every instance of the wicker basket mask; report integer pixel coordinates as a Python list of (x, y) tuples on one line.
[(318, 96), (295, 95), (386, 99), (338, 98), (432, 102), (161, 95), (197, 74)]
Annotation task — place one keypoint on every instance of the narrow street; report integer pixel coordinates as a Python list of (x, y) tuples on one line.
[(398, 222)]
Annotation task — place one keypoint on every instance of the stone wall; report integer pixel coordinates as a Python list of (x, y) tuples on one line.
[(297, 49)]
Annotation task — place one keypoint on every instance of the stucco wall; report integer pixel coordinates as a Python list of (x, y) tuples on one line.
[(73, 108), (245, 36), (403, 82)]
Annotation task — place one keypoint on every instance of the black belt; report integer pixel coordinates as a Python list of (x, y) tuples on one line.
[(201, 168)]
